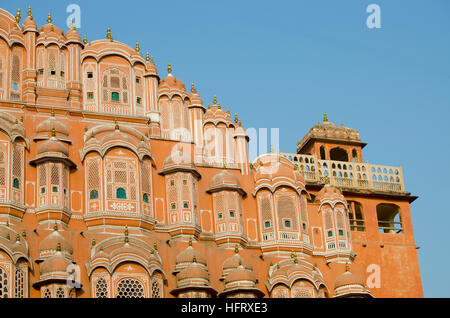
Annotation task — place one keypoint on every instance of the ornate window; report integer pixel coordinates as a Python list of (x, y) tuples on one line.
[(130, 288), (3, 168), (60, 293), (121, 193), (156, 289), (101, 288), (19, 286), (93, 194), (15, 77), (115, 84), (4, 283), (47, 293), (121, 179)]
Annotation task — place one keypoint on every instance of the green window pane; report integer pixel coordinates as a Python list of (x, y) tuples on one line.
[(121, 193)]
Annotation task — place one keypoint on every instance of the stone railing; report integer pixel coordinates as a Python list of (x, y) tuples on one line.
[(348, 174)]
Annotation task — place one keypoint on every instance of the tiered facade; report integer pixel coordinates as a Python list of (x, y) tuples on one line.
[(116, 183)]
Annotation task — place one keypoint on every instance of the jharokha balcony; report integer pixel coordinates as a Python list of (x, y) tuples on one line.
[(349, 175)]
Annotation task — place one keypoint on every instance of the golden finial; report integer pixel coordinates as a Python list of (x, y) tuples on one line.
[(93, 242), (194, 259), (108, 34), (218, 105), (53, 132), (327, 180), (169, 69), (116, 124), (147, 57), (24, 234), (236, 249), (347, 267), (17, 121), (55, 227), (49, 18), (152, 61), (228, 111), (325, 119), (58, 247), (89, 43), (18, 15), (215, 100), (52, 113), (29, 12), (155, 246), (17, 237), (240, 123), (190, 241), (8, 237), (192, 88), (295, 260), (72, 26), (292, 254), (271, 148), (137, 49), (235, 118), (85, 40), (342, 124)]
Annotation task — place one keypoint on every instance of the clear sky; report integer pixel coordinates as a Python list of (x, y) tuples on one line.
[(282, 64)]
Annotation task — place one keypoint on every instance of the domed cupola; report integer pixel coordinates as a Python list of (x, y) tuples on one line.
[(54, 242), (50, 33), (150, 66), (29, 25), (330, 194), (196, 101), (350, 285), (240, 281), (225, 180), (215, 115), (72, 36), (187, 257), (47, 126), (171, 83), (192, 275)]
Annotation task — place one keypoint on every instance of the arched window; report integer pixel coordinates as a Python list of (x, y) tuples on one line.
[(356, 216), (19, 286), (16, 183), (157, 289), (101, 288), (115, 97), (115, 88), (15, 77), (338, 154), (121, 193), (322, 152), (145, 198), (389, 218), (130, 288)]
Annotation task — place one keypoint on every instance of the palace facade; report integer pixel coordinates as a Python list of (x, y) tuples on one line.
[(115, 182)]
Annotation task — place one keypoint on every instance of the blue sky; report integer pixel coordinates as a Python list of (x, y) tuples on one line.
[(282, 64)]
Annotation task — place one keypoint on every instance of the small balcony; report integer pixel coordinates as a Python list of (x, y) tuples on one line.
[(350, 175)]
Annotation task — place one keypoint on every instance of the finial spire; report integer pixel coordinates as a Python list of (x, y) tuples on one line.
[(55, 227), (152, 61), (85, 40), (116, 124), (347, 267), (240, 123), (235, 118), (215, 100), (58, 247), (29, 12), (108, 34), (192, 88), (147, 57), (137, 49), (169, 69), (236, 249), (325, 119), (49, 18), (53, 132), (190, 241), (72, 26), (18, 15)]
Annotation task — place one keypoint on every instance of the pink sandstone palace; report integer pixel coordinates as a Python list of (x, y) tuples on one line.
[(117, 183)]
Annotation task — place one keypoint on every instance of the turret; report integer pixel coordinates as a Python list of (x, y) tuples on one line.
[(73, 83), (30, 32)]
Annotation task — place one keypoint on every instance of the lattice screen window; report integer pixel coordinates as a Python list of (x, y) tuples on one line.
[(328, 224), (146, 182), (17, 168), (93, 182), (340, 224), (101, 288), (121, 178), (54, 177), (157, 289), (219, 209), (115, 81), (304, 213), (19, 283), (60, 293), (47, 293), (15, 74), (302, 292), (4, 283), (266, 210), (3, 164), (139, 89), (130, 288), (1, 79), (286, 210), (43, 179), (172, 194)]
